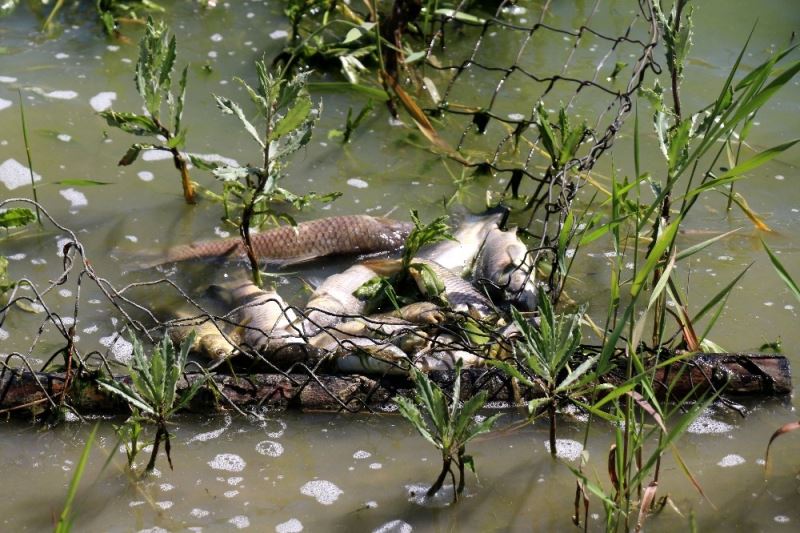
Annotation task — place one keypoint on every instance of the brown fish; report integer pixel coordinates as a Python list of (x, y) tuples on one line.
[(348, 234)]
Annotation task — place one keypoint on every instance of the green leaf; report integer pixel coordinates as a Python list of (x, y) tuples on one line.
[(656, 254), (781, 270), (181, 99), (229, 107), (411, 413), (126, 393), (460, 16), (341, 87), (688, 252), (577, 373), (296, 116), (82, 183), (131, 155), (65, 520), (16, 217), (131, 123)]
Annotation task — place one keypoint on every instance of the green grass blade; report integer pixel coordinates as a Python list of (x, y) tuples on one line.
[(784, 275), (65, 520), (688, 252)]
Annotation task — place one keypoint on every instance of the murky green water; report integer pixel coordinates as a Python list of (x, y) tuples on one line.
[(357, 472)]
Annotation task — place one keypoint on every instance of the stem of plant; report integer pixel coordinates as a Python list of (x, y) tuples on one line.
[(440, 480), (180, 164), (552, 411), (28, 154)]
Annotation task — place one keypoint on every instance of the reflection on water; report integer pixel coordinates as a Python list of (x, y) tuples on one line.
[(290, 471)]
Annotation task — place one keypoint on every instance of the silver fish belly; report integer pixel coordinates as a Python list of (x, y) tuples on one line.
[(504, 270)]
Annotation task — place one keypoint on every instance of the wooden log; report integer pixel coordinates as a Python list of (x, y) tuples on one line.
[(762, 375)]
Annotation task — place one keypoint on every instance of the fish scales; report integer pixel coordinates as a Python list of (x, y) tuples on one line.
[(347, 234), (460, 293)]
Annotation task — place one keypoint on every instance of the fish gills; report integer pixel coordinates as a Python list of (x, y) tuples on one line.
[(459, 255)]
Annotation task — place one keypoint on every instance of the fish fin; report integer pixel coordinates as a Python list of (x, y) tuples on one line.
[(500, 209), (383, 267)]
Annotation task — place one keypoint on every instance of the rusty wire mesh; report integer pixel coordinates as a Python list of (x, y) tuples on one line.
[(501, 121)]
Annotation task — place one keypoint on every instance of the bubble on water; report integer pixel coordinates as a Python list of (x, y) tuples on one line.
[(75, 197), (395, 526), (769, 304), (214, 158), (270, 448), (278, 34), (4, 335), (566, 449), (61, 55), (293, 525), (357, 183), (323, 491), (212, 54), (780, 177), (154, 529), (235, 480), (704, 424), (65, 293), (121, 349), (14, 174), (789, 307), (64, 137), (16, 257), (361, 454), (91, 329), (165, 504), (417, 494), (135, 503), (4, 104), (724, 258), (219, 232), (240, 521), (375, 466), (198, 513), (166, 487), (132, 238), (229, 462), (231, 493), (102, 101), (145, 175), (782, 519), (731, 460), (7, 79), (112, 47), (217, 37)]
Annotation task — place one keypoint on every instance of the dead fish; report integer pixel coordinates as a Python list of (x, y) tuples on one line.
[(333, 301), (369, 356), (348, 234), (416, 313), (262, 315), (459, 293), (459, 255), (504, 270), (209, 340), (442, 352)]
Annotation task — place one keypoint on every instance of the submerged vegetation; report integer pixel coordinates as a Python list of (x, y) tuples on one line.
[(558, 359)]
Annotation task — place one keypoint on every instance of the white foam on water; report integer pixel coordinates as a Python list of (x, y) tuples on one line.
[(231, 493), (154, 529), (240, 521), (417, 494), (132, 238), (121, 349), (7, 79), (566, 449), (75, 197), (782, 519), (516, 116), (198, 513), (233, 481), (372, 504), (395, 526), (375, 466), (61, 95), (102, 100), (215, 158), (731, 460), (61, 55), (4, 334), (145, 175), (166, 487), (217, 37), (91, 329), (14, 174), (16, 257), (156, 155), (210, 435), (357, 183), (219, 232), (5, 103), (270, 448), (361, 454), (704, 424), (293, 525), (64, 137), (279, 34), (135, 503), (229, 462), (165, 504), (323, 491)]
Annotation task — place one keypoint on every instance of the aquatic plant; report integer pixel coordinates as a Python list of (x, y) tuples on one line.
[(64, 524), (446, 423), (152, 395), (157, 53), (289, 116), (544, 359)]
